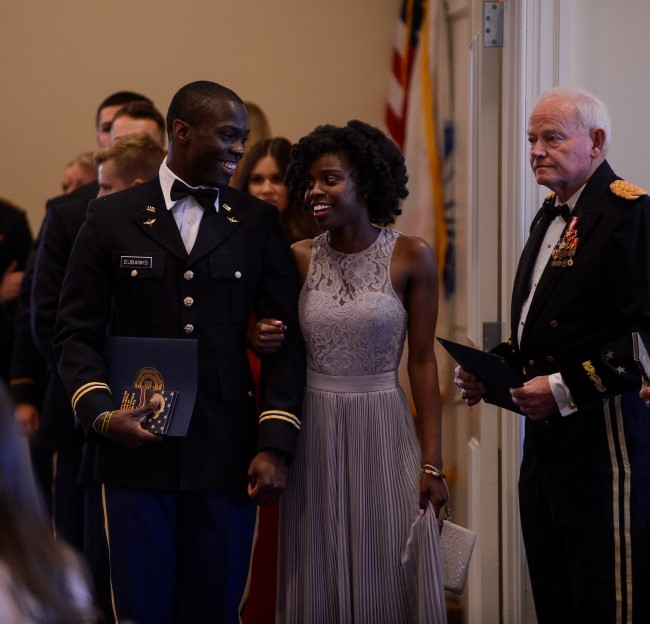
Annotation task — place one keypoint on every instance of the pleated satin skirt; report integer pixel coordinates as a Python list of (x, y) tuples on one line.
[(350, 506)]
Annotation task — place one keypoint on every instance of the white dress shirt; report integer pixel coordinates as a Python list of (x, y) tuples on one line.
[(187, 211), (553, 234)]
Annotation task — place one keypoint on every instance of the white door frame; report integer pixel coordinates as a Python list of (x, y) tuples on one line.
[(502, 198), (536, 57)]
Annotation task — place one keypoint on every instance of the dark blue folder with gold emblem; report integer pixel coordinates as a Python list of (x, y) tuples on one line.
[(139, 368)]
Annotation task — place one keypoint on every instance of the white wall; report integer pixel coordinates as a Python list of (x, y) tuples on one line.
[(610, 44), (304, 61)]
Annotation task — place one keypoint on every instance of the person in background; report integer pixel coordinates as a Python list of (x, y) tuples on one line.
[(581, 288), (216, 256), (361, 482), (15, 244), (78, 172), (25, 377), (25, 383), (128, 162), (259, 130), (258, 122), (135, 117), (56, 439), (106, 112), (42, 580), (261, 173)]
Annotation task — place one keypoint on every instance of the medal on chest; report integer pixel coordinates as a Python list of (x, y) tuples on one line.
[(562, 255)]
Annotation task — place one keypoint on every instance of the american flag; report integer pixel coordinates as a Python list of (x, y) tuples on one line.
[(407, 36), (418, 118)]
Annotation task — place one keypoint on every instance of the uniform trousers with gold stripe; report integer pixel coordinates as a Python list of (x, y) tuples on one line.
[(584, 492), (195, 552)]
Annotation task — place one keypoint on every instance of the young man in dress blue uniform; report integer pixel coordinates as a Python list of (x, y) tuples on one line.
[(582, 287), (179, 521)]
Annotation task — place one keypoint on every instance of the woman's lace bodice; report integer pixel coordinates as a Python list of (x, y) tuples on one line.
[(351, 318)]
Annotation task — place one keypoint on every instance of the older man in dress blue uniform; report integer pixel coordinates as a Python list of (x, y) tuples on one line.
[(582, 287)]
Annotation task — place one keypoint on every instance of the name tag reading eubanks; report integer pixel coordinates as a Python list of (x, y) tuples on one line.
[(141, 262)]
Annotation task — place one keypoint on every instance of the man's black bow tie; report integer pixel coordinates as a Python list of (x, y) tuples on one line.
[(204, 196), (552, 211)]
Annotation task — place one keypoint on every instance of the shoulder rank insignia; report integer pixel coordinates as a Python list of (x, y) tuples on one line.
[(626, 189)]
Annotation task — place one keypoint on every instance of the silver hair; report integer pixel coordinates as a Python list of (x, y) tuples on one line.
[(592, 112)]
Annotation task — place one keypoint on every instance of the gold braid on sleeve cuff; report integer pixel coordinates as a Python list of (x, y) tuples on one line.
[(85, 389), (280, 415)]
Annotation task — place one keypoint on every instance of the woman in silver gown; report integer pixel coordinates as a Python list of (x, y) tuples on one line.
[(366, 480)]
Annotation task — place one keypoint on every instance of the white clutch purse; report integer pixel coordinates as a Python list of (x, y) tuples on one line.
[(456, 546)]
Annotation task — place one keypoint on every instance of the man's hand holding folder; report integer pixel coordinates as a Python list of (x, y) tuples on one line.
[(642, 358), (127, 426), (482, 375), (487, 376)]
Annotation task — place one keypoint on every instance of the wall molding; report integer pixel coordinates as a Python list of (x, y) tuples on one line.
[(536, 57)]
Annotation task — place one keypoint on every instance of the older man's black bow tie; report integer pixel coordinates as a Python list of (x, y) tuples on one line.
[(552, 211), (204, 196)]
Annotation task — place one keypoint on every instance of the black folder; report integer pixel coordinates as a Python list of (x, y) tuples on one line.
[(641, 356), (490, 369), (172, 363)]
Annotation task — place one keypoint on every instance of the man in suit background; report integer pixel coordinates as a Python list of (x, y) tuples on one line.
[(582, 286), (15, 259), (56, 439), (131, 161), (179, 521), (24, 379), (138, 116), (15, 243)]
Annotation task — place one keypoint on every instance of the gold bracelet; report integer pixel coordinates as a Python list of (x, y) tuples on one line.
[(430, 469), (105, 422)]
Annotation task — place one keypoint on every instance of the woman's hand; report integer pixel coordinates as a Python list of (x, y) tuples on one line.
[(266, 336), (434, 490)]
